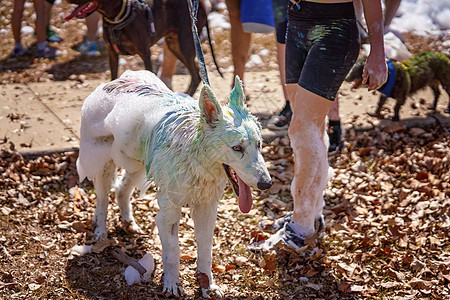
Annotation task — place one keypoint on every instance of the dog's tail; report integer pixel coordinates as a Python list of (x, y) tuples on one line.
[(212, 48)]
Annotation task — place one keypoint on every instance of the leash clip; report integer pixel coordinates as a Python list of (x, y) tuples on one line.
[(296, 4)]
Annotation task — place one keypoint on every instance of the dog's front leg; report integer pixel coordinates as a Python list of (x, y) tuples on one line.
[(102, 185), (168, 220), (204, 216)]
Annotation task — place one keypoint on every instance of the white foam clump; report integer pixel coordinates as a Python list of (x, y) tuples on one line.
[(423, 17), (81, 250), (27, 30), (217, 20), (254, 60), (132, 275)]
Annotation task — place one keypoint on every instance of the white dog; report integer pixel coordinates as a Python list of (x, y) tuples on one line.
[(187, 147)]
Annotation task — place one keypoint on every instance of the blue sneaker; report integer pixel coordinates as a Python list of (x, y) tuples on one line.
[(47, 52), (89, 48), (18, 51), (52, 36)]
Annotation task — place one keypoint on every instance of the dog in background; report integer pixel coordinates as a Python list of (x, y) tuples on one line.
[(188, 148), (133, 26), (418, 72)]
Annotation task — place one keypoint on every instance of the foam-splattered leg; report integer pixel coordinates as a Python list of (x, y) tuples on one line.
[(124, 188), (102, 185), (168, 220), (204, 217)]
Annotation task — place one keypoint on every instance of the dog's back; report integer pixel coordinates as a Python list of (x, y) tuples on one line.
[(102, 138), (426, 68)]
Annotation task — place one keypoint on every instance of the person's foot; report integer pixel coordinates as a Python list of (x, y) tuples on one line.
[(47, 52), (335, 136), (273, 226), (286, 236), (52, 36), (18, 51), (89, 48), (281, 121)]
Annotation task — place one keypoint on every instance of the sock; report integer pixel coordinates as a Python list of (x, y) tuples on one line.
[(299, 229), (41, 46), (333, 123)]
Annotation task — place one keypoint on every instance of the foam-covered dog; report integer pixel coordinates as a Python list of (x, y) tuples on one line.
[(411, 75), (188, 148)]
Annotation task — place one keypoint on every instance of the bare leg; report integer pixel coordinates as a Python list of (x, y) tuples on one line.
[(309, 144), (92, 26), (41, 7), (240, 40), (168, 66), (333, 114), (281, 55), (390, 11), (16, 19)]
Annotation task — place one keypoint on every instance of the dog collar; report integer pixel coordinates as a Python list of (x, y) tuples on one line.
[(386, 89)]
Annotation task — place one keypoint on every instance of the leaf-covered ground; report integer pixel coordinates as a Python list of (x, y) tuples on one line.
[(387, 208), (386, 236)]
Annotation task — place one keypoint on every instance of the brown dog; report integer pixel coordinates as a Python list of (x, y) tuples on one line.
[(411, 75), (133, 26)]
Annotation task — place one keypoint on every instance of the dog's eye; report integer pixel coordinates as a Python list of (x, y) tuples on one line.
[(237, 148)]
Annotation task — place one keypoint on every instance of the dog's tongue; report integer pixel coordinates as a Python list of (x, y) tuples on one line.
[(245, 196), (82, 10)]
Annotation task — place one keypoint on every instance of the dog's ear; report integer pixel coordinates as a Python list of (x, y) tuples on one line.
[(209, 106), (237, 97)]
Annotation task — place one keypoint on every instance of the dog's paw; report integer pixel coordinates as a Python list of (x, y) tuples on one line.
[(132, 227), (173, 287), (100, 235), (214, 290)]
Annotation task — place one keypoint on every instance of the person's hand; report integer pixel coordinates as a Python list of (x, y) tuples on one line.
[(375, 71)]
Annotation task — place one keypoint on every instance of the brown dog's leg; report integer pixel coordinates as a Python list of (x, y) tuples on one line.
[(113, 62), (145, 55), (397, 107), (381, 102), (435, 87)]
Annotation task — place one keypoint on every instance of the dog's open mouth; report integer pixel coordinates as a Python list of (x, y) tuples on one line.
[(241, 189), (83, 10)]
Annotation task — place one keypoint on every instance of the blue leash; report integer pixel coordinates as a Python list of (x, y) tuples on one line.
[(193, 10)]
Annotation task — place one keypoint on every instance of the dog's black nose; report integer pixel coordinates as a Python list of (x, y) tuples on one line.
[(264, 185)]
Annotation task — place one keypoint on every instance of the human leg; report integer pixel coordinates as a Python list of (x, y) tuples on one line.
[(168, 66), (16, 26), (42, 49), (240, 40), (89, 46), (309, 145), (335, 127)]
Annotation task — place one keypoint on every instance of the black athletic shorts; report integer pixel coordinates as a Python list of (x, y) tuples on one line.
[(322, 44), (280, 14)]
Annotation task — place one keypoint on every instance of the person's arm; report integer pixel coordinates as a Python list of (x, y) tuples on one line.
[(375, 70)]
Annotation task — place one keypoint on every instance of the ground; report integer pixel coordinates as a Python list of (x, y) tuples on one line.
[(387, 207)]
